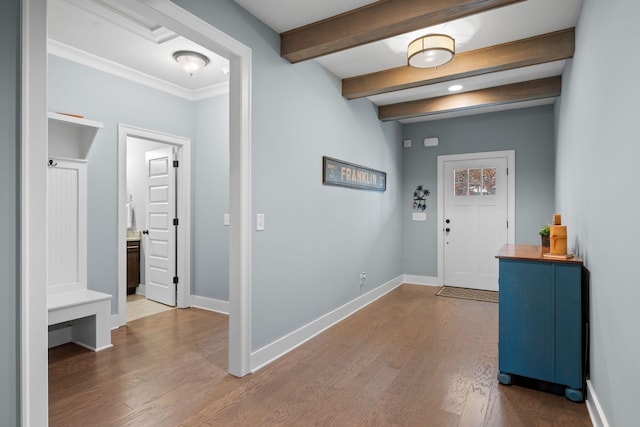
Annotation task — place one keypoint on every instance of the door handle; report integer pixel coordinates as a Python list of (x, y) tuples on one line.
[(447, 229), (145, 231)]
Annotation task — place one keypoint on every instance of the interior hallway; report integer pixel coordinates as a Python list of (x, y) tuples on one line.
[(410, 358)]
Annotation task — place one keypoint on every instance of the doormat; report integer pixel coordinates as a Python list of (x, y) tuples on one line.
[(466, 293)]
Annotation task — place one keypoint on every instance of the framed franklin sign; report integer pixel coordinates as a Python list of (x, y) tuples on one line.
[(344, 174)]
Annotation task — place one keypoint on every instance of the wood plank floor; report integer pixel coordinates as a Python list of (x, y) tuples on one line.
[(409, 359)]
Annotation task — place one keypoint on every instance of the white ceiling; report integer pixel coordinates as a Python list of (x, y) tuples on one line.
[(144, 48), (521, 20), (99, 34)]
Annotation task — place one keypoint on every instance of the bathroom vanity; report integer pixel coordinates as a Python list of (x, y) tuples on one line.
[(133, 266)]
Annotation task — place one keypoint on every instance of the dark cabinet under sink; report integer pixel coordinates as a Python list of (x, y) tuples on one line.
[(133, 266)]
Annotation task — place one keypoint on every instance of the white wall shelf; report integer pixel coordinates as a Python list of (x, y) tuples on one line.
[(71, 137)]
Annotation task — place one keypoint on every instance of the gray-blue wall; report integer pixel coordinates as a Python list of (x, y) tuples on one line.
[(597, 172), (528, 131), (111, 100), (318, 239), (210, 188), (9, 205), (105, 98)]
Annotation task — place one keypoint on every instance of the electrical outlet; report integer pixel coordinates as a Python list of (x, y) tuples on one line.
[(363, 278)]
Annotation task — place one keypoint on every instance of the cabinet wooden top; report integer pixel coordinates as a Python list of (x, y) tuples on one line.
[(532, 253)]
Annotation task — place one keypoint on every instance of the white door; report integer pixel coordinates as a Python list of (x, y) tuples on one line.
[(160, 235), (475, 221)]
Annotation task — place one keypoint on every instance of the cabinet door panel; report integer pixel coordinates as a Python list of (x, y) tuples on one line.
[(526, 320), (568, 325)]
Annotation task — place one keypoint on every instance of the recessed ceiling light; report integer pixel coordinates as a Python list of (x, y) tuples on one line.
[(455, 88)]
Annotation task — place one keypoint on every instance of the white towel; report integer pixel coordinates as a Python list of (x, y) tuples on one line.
[(129, 212)]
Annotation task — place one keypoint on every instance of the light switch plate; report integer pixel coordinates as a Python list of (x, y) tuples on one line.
[(419, 216), (259, 222), (227, 219)]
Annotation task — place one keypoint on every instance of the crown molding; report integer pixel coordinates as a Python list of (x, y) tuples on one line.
[(114, 12), (90, 60)]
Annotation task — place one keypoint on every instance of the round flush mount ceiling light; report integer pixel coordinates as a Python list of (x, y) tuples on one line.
[(455, 88), (191, 62), (431, 51)]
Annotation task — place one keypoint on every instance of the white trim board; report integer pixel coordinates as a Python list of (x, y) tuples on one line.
[(280, 347), (59, 336), (598, 419), (421, 280), (90, 60), (33, 291), (62, 335), (210, 304)]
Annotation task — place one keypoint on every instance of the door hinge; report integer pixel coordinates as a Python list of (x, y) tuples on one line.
[(175, 221), (175, 163), (507, 224), (175, 280)]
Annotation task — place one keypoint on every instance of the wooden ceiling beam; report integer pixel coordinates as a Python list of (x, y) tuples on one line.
[(541, 49), (517, 92), (377, 21)]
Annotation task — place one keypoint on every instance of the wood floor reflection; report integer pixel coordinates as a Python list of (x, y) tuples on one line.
[(408, 359)]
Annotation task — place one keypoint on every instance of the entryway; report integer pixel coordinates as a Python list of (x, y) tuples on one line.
[(477, 215), (33, 352), (154, 207)]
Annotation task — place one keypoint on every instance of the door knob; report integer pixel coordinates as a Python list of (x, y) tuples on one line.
[(447, 221), (447, 229), (145, 231)]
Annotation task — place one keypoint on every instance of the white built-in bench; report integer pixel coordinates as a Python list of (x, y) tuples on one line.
[(84, 316), (76, 314)]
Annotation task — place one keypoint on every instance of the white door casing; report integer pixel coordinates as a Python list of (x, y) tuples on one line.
[(159, 239), (33, 354), (132, 135), (479, 223), (178, 20)]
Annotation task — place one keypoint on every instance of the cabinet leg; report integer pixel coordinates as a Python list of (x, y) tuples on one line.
[(573, 394), (504, 378)]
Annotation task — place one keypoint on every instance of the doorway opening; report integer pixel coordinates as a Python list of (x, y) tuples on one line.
[(134, 146), (476, 216), (33, 297)]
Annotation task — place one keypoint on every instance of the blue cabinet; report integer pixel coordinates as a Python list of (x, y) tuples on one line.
[(540, 318)]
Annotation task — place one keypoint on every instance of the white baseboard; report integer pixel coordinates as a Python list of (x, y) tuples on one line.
[(280, 347), (210, 304), (596, 413), (421, 280), (116, 322), (141, 289), (59, 336)]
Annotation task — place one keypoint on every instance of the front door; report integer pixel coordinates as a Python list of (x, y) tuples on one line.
[(160, 235), (475, 221)]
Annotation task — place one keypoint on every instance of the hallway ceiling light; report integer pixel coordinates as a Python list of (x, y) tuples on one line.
[(431, 51), (191, 62), (455, 88)]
